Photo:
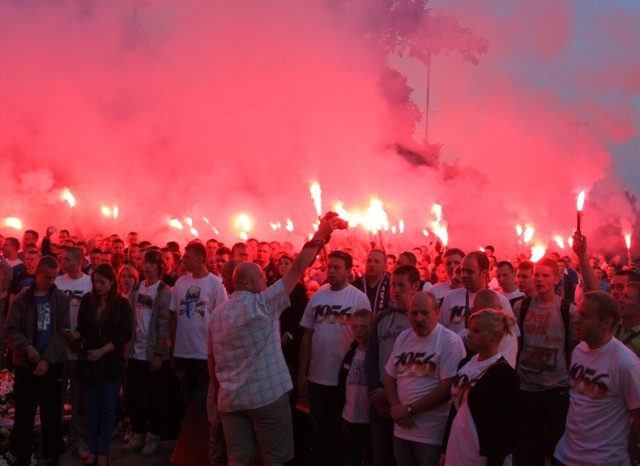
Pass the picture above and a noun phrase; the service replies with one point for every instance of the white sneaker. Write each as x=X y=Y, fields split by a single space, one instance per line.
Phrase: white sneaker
x=135 y=443
x=150 y=444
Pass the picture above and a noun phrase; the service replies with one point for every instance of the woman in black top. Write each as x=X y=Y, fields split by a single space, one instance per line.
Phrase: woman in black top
x=104 y=329
x=484 y=395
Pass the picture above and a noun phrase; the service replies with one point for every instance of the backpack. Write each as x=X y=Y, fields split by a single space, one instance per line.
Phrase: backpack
x=564 y=313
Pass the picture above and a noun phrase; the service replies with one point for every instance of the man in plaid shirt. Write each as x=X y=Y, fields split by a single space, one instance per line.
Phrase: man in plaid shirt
x=250 y=377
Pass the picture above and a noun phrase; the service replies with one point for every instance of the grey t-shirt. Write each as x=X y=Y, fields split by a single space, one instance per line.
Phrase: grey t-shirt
x=543 y=364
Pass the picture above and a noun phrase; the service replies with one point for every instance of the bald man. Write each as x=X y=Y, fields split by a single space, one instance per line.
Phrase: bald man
x=489 y=299
x=250 y=377
x=420 y=372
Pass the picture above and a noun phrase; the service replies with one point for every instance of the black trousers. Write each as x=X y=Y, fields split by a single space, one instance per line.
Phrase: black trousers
x=145 y=393
x=30 y=392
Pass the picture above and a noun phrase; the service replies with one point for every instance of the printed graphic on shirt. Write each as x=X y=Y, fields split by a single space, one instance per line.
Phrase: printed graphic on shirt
x=536 y=358
x=192 y=304
x=416 y=364
x=44 y=316
x=144 y=301
x=458 y=314
x=356 y=373
x=460 y=388
x=75 y=296
x=537 y=322
x=331 y=314
x=588 y=382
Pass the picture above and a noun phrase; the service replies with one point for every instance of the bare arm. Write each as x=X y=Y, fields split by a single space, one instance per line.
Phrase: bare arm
x=634 y=436
x=308 y=254
x=303 y=364
x=399 y=413
x=591 y=282
x=172 y=328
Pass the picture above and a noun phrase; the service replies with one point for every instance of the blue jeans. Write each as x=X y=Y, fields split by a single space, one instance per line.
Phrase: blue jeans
x=100 y=404
x=410 y=453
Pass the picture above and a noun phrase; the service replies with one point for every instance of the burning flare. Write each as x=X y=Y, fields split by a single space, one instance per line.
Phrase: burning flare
x=559 y=241
x=537 y=252
x=627 y=240
x=316 y=195
x=67 y=196
x=580 y=202
x=243 y=225
x=528 y=233
x=12 y=222
x=289 y=225
x=110 y=212
x=175 y=223
x=438 y=226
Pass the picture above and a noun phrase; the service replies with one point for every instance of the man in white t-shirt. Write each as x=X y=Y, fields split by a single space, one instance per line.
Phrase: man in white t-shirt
x=506 y=276
x=456 y=306
x=420 y=372
x=603 y=424
x=193 y=300
x=327 y=336
x=75 y=284
x=452 y=259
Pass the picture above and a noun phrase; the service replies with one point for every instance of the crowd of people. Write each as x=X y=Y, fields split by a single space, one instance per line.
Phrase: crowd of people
x=426 y=357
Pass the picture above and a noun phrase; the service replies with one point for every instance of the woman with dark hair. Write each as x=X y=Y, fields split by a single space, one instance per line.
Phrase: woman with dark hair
x=104 y=329
x=148 y=352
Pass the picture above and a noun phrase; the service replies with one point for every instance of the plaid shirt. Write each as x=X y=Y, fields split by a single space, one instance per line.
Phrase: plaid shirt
x=244 y=333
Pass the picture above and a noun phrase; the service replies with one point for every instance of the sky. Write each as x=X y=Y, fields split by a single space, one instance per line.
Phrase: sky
x=191 y=109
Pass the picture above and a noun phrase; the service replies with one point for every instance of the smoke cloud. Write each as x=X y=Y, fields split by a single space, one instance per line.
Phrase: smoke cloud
x=195 y=109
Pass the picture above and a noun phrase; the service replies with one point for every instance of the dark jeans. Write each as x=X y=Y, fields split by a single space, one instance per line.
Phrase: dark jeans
x=145 y=396
x=381 y=440
x=31 y=391
x=539 y=425
x=193 y=377
x=357 y=442
x=100 y=403
x=326 y=417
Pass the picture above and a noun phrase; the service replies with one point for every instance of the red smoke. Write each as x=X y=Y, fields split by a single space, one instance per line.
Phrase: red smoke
x=195 y=109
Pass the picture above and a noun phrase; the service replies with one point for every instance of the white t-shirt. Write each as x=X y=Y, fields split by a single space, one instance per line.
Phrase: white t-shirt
x=464 y=447
x=357 y=404
x=144 y=309
x=419 y=364
x=75 y=289
x=328 y=314
x=440 y=290
x=193 y=299
x=514 y=294
x=605 y=387
x=457 y=304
